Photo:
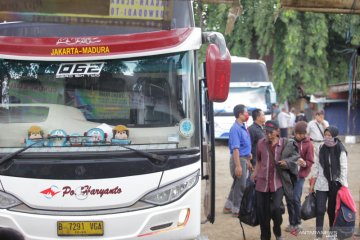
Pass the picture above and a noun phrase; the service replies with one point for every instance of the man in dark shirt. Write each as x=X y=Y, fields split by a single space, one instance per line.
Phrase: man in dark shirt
x=256 y=131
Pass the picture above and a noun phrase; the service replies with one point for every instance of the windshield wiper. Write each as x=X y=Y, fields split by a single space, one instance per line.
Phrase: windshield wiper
x=11 y=156
x=158 y=159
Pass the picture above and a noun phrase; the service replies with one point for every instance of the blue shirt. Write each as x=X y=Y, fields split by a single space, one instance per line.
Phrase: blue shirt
x=239 y=138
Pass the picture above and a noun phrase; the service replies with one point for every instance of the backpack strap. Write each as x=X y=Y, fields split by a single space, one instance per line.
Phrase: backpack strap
x=322 y=134
x=243 y=231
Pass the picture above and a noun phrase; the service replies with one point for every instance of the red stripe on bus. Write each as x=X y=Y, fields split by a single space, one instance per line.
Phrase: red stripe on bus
x=92 y=45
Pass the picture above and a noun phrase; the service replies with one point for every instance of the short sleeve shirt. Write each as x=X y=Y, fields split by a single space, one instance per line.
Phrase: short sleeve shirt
x=239 y=138
x=314 y=132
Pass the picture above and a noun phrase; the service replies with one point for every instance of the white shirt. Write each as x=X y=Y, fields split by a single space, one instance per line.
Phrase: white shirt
x=292 y=119
x=283 y=119
x=314 y=132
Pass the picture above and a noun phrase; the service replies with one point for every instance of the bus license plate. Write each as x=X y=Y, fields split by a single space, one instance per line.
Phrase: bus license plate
x=86 y=228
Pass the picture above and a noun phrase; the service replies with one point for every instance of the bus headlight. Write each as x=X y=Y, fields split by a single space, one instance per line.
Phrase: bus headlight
x=173 y=191
x=7 y=201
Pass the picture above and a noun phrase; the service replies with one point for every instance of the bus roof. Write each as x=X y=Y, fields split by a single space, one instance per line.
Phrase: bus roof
x=235 y=59
x=248 y=70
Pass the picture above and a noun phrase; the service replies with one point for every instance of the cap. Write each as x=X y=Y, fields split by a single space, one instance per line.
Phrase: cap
x=120 y=128
x=271 y=125
x=334 y=131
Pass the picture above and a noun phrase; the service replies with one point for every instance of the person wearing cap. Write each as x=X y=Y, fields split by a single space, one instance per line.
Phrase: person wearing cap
x=330 y=174
x=305 y=162
x=240 y=151
x=275 y=158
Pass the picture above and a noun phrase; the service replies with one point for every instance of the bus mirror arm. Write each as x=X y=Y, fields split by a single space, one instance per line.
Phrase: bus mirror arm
x=217 y=39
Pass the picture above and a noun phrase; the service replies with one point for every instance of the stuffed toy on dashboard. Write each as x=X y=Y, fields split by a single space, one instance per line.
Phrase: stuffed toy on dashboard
x=35 y=136
x=120 y=135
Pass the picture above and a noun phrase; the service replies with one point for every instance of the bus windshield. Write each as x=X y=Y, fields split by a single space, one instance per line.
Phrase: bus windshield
x=56 y=19
x=76 y=99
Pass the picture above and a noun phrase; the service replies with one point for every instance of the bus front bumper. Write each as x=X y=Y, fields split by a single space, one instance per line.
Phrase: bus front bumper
x=178 y=220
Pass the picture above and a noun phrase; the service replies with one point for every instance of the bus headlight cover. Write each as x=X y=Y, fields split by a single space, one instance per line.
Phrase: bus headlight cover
x=7 y=201
x=173 y=191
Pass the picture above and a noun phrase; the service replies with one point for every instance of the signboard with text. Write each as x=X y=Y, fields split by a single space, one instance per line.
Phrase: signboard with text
x=103 y=12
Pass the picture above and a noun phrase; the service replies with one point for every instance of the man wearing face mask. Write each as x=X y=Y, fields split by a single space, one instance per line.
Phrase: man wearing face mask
x=240 y=151
x=330 y=173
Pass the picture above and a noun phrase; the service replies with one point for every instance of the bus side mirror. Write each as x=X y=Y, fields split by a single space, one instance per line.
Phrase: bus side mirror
x=218 y=72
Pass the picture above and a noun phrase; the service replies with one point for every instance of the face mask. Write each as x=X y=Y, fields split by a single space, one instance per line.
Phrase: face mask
x=246 y=116
x=329 y=141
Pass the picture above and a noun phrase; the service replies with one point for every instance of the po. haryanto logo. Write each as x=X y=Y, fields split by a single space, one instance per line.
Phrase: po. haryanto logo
x=81 y=192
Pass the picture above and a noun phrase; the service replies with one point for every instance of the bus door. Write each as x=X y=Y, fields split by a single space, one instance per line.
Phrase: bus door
x=208 y=154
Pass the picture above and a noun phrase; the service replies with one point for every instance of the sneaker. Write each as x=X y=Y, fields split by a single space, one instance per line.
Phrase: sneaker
x=227 y=210
x=299 y=227
x=280 y=238
x=289 y=228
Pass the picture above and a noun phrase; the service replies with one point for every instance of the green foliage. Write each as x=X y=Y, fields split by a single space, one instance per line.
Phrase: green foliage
x=307 y=49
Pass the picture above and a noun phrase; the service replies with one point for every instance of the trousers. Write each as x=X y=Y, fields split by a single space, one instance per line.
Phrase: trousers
x=237 y=189
x=263 y=205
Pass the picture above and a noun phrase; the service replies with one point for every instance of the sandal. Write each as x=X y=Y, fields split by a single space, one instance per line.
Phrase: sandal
x=227 y=210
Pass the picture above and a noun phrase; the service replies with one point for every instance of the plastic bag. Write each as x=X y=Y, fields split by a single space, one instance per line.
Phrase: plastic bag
x=308 y=208
x=248 y=213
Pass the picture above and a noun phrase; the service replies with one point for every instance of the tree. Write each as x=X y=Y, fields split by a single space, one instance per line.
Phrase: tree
x=301 y=48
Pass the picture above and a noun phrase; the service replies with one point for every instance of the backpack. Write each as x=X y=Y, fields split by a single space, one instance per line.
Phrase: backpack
x=344 y=223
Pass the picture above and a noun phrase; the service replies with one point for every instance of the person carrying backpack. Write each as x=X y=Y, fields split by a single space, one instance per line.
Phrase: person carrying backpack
x=276 y=158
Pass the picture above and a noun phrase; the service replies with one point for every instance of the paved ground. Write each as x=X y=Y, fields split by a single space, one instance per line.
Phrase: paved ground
x=227 y=227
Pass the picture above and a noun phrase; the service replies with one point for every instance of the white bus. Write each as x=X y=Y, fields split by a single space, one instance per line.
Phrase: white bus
x=76 y=76
x=249 y=85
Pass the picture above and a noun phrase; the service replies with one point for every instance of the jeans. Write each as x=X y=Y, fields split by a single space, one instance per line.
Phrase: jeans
x=294 y=207
x=321 y=198
x=263 y=201
x=238 y=187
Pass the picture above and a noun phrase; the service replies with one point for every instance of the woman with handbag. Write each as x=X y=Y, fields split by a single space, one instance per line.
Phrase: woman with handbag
x=330 y=173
